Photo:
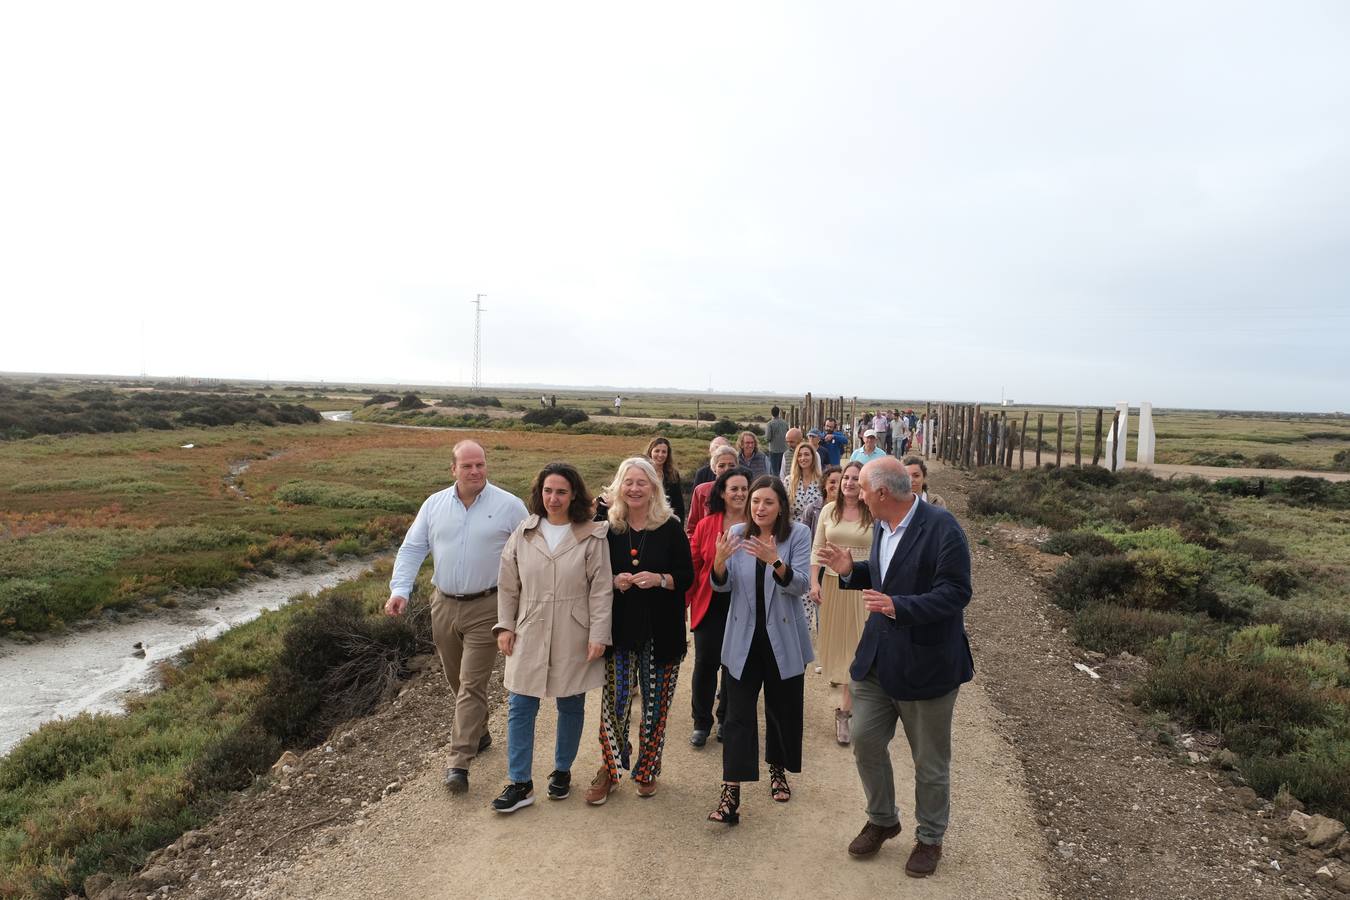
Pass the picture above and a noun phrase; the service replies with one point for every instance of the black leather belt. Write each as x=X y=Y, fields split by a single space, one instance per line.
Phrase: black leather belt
x=464 y=598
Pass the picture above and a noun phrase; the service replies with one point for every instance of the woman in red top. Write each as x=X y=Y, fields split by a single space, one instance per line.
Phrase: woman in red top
x=707 y=610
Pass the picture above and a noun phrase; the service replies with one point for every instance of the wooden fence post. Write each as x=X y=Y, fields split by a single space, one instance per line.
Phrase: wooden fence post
x=1078 y=438
x=1059 y=441
x=1040 y=431
x=1115 y=432
x=928 y=428
x=1097 y=444
x=1022 y=442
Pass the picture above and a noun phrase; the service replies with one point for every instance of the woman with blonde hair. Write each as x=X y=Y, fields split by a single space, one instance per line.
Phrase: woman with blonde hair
x=651 y=568
x=847 y=522
x=554 y=600
x=663 y=460
x=803 y=486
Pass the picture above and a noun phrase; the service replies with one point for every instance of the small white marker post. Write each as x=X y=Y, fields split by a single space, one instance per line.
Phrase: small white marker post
x=1147 y=438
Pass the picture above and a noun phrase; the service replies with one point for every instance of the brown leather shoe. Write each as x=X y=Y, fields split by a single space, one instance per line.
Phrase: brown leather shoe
x=870 y=839
x=923 y=860
x=601 y=787
x=646 y=788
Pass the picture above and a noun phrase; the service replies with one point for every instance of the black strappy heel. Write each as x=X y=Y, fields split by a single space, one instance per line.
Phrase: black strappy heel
x=727 y=806
x=778 y=785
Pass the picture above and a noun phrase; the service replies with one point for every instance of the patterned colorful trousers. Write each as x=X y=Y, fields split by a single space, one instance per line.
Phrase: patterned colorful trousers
x=626 y=670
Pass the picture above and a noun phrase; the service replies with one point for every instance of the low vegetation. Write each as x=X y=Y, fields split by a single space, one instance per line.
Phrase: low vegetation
x=99 y=792
x=1235 y=591
x=26 y=411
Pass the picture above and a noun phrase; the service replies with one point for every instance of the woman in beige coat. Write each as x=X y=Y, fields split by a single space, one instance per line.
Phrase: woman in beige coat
x=554 y=609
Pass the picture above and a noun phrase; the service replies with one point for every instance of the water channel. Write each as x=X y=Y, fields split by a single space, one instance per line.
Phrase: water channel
x=94 y=668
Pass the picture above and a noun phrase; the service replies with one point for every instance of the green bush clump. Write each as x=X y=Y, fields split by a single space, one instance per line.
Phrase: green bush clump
x=471 y=401
x=1276 y=578
x=1079 y=542
x=341 y=496
x=1109 y=628
x=411 y=401
x=726 y=427
x=380 y=399
x=551 y=415
x=1085 y=580
x=1341 y=461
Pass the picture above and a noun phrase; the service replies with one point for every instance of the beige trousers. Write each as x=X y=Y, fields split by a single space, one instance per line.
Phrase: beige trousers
x=462 y=632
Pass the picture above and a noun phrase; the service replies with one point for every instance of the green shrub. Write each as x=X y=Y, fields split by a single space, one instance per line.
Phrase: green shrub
x=341 y=496
x=1085 y=580
x=411 y=401
x=1276 y=578
x=1271 y=461
x=726 y=427
x=551 y=415
x=380 y=400
x=1077 y=543
x=1109 y=628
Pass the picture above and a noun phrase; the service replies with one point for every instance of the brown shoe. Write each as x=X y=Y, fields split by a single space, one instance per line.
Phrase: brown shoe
x=647 y=788
x=870 y=839
x=923 y=860
x=601 y=787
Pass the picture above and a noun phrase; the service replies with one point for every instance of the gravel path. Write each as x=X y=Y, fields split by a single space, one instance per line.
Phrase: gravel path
x=424 y=843
x=1060 y=789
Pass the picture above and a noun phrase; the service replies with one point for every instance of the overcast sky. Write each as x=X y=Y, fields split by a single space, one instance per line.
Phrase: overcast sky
x=1075 y=202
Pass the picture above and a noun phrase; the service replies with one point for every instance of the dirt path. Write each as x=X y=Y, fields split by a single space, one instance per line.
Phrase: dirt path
x=423 y=843
x=1061 y=789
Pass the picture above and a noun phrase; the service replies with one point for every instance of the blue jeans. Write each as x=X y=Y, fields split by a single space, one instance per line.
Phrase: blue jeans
x=520 y=715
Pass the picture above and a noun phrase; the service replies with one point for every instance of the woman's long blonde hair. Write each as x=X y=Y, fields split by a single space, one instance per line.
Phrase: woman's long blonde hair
x=658 y=513
x=796 y=477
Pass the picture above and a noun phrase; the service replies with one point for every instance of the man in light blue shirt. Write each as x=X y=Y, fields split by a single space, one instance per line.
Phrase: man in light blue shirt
x=869 y=450
x=464 y=528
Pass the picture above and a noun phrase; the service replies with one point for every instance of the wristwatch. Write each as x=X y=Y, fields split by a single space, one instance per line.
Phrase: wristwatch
x=778 y=564
x=662 y=582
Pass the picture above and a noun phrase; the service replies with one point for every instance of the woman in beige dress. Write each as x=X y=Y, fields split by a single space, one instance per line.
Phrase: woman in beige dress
x=846 y=523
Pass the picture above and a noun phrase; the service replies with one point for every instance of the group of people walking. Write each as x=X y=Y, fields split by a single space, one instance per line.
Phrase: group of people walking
x=594 y=592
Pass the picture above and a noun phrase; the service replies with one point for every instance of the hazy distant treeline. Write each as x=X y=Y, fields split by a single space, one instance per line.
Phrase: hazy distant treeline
x=26 y=412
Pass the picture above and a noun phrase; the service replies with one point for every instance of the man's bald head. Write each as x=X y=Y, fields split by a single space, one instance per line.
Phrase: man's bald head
x=794 y=436
x=885 y=487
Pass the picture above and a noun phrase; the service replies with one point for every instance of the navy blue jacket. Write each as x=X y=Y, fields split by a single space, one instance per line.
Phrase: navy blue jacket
x=923 y=652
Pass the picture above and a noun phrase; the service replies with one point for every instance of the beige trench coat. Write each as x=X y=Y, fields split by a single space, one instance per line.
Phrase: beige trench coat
x=556 y=602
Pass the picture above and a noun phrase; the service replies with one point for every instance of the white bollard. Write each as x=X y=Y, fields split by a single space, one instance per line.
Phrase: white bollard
x=1116 y=443
x=1147 y=437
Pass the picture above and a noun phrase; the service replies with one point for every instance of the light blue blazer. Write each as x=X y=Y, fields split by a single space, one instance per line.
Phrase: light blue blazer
x=784 y=617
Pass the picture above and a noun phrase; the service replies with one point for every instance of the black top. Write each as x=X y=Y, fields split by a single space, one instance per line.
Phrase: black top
x=704 y=475
x=675 y=497
x=652 y=614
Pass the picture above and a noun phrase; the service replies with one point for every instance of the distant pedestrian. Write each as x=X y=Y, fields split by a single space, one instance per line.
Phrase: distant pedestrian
x=829 y=492
x=918 y=477
x=705 y=472
x=663 y=460
x=869 y=449
x=793 y=439
x=708 y=609
x=464 y=528
x=882 y=423
x=832 y=442
x=803 y=485
x=723 y=458
x=652 y=570
x=618 y=405
x=775 y=439
x=751 y=456
x=555 y=600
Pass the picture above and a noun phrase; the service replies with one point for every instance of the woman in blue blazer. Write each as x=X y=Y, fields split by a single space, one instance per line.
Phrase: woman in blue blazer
x=765 y=565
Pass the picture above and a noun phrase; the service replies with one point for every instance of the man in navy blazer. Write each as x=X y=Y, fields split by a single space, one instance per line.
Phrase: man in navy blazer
x=912 y=659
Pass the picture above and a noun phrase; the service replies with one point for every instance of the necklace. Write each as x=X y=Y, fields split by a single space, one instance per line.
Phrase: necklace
x=635 y=551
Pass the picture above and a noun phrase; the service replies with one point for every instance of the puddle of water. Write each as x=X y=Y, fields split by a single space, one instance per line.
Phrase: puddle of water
x=93 y=670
